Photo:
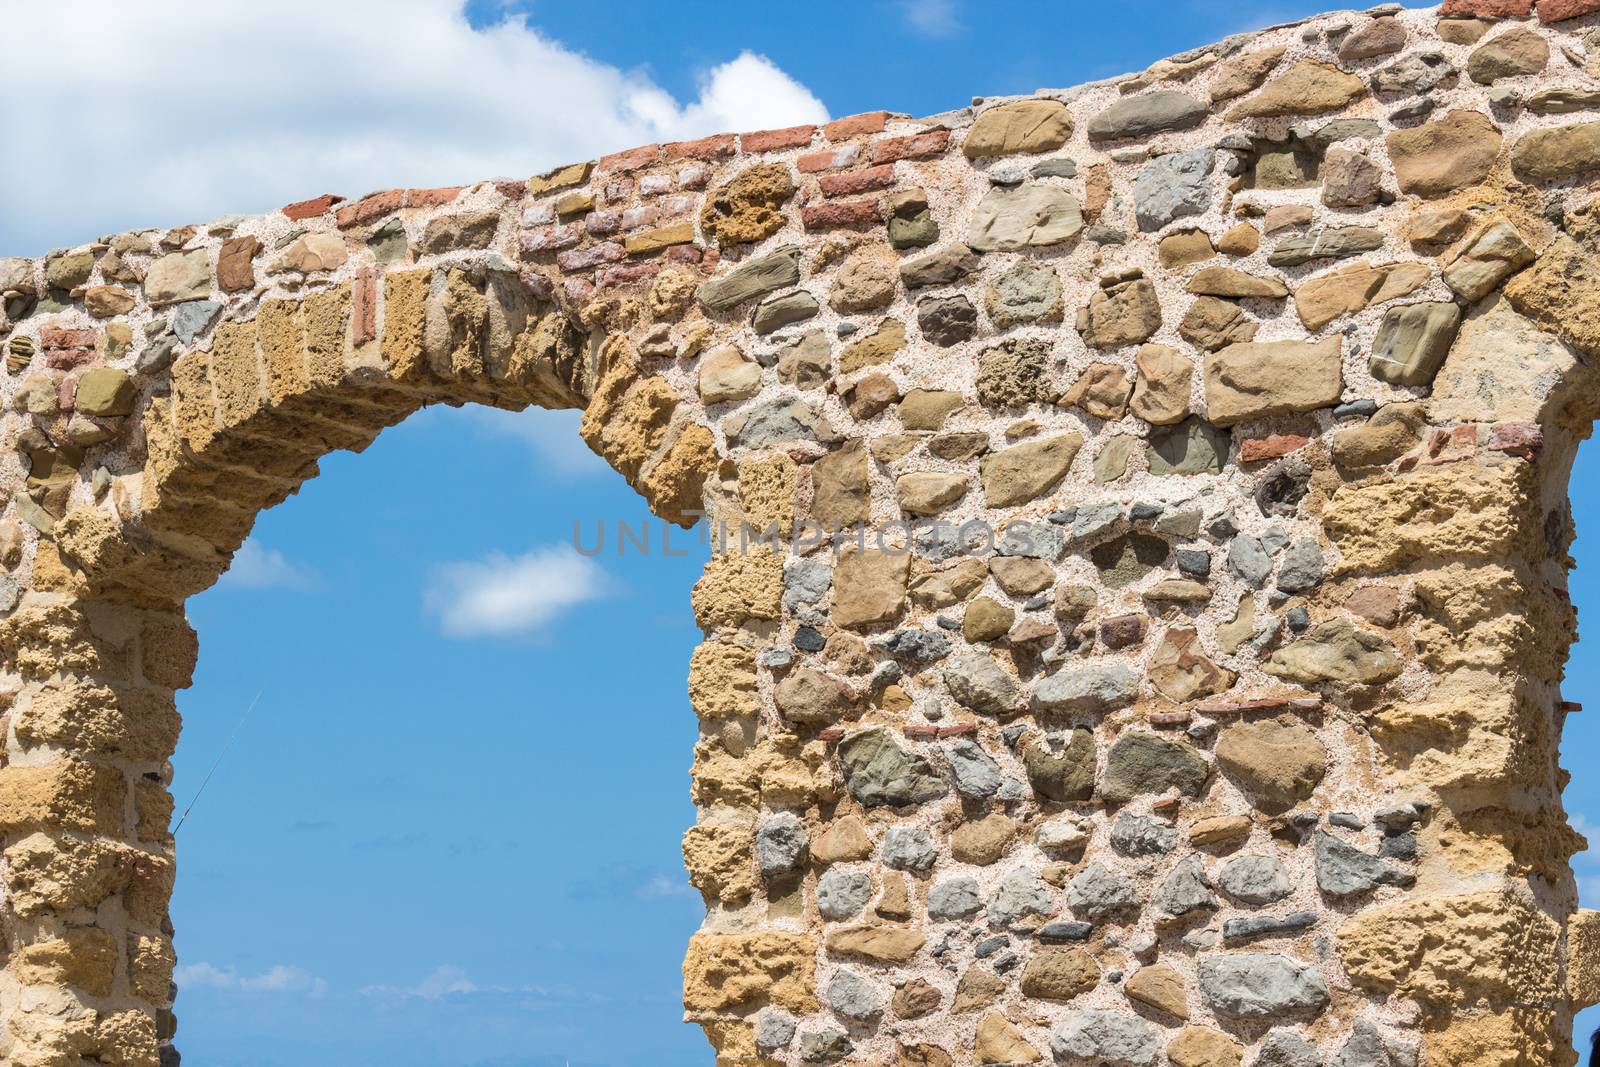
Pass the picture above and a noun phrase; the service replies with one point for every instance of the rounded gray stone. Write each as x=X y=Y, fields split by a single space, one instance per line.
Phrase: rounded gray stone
x=841 y=893
x=954 y=898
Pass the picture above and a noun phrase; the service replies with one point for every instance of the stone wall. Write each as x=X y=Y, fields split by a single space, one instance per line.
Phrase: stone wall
x=1184 y=682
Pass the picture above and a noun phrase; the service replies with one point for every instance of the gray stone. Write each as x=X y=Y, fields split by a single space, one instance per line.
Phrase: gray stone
x=1024 y=216
x=977 y=775
x=954 y=898
x=776 y=421
x=1187 y=889
x=1251 y=926
x=1285 y=1048
x=388 y=243
x=157 y=357
x=947 y=320
x=805 y=581
x=1261 y=985
x=877 y=771
x=190 y=319
x=774 y=1029
x=1021 y=893
x=757 y=277
x=1032 y=540
x=1058 y=167
x=1344 y=870
x=1325 y=242
x=1140 y=763
x=1193 y=561
x=1367 y=1047
x=1098 y=891
x=842 y=893
x=908 y=848
x=1028 y=292
x=1301 y=569
x=780 y=845
x=976 y=681
x=1193 y=446
x=1127 y=559
x=1143 y=835
x=1248 y=560
x=855 y=999
x=825 y=1045
x=1091 y=689
x=939 y=267
x=1140 y=116
x=776 y=312
x=1107 y=1037
x=1094 y=519
x=1254 y=879
x=1414 y=73
x=1412 y=341
x=1173 y=187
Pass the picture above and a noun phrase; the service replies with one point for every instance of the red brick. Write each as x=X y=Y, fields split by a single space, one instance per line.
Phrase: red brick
x=67 y=338
x=364 y=309
x=685 y=254
x=1256 y=449
x=1239 y=707
x=717 y=147
x=431 y=197
x=1516 y=438
x=920 y=731
x=1499 y=9
x=1557 y=10
x=1168 y=718
x=627 y=274
x=577 y=290
x=855 y=125
x=67 y=392
x=512 y=190
x=370 y=207
x=916 y=146
x=777 y=140
x=635 y=217
x=830 y=733
x=632 y=159
x=841 y=213
x=552 y=238
x=959 y=729
x=600 y=222
x=858 y=181
x=829 y=158
x=66 y=358
x=310 y=209
x=591 y=257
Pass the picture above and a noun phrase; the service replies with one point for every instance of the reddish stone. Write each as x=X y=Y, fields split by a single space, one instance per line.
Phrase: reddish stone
x=1516 y=438
x=632 y=159
x=855 y=125
x=552 y=238
x=618 y=190
x=67 y=392
x=635 y=217
x=67 y=338
x=432 y=197
x=66 y=358
x=1495 y=9
x=628 y=274
x=830 y=733
x=673 y=206
x=917 y=146
x=717 y=147
x=1256 y=449
x=1558 y=10
x=829 y=159
x=364 y=307
x=1239 y=707
x=685 y=254
x=858 y=181
x=1168 y=718
x=1378 y=604
x=1121 y=631
x=1569 y=706
x=847 y=213
x=577 y=290
x=310 y=209
x=777 y=140
x=235 y=271
x=512 y=190
x=1166 y=804
x=369 y=207
x=591 y=257
x=603 y=221
x=959 y=729
x=694 y=177
x=921 y=731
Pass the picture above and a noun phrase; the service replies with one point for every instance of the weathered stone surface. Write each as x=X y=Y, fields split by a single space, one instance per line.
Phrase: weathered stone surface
x=1159 y=986
x=1325 y=242
x=869 y=588
x=748 y=208
x=1235 y=284
x=1064 y=775
x=1122 y=314
x=1412 y=342
x=1092 y=688
x=809 y=696
x=1490 y=256
x=1201 y=1046
x=1186 y=890
x=1139 y=763
x=841 y=894
x=999 y=1041
x=1307 y=88
x=1511 y=54
x=1557 y=153
x=178 y=276
x=1162 y=386
x=1336 y=651
x=978 y=682
x=1024 y=126
x=1103 y=1037
x=1254 y=380
x=947 y=320
x=752 y=278
x=726 y=376
x=1173 y=187
x=725 y=972
x=1015 y=374
x=1027 y=292
x=1437 y=158
x=1277 y=761
x=1059 y=974
x=1380 y=37
x=774 y=421
x=1018 y=474
x=1257 y=985
x=1242 y=73
x=1349 y=289
x=1179 y=669
x=1254 y=879
x=1146 y=114
x=1024 y=216
x=1344 y=870
x=1102 y=390
x=1349 y=178
x=877 y=771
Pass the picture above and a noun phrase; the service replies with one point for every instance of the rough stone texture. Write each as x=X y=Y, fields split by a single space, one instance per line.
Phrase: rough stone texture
x=1288 y=645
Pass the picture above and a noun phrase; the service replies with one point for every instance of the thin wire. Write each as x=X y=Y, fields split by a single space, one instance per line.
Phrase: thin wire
x=231 y=738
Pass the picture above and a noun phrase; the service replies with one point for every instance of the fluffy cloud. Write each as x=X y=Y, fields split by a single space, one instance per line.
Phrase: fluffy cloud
x=279 y=979
x=502 y=596
x=551 y=438
x=161 y=114
x=255 y=567
x=931 y=18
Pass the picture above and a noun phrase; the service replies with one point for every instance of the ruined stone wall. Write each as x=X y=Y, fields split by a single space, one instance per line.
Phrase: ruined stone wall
x=1188 y=689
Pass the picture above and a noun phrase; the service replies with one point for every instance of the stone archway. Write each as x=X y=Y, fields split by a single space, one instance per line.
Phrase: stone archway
x=1225 y=726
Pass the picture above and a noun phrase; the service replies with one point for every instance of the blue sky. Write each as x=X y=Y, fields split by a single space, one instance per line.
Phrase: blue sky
x=448 y=832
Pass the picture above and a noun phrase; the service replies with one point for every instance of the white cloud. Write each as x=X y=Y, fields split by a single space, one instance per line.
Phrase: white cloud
x=160 y=114
x=503 y=595
x=255 y=567
x=661 y=885
x=551 y=436
x=279 y=979
x=444 y=981
x=931 y=18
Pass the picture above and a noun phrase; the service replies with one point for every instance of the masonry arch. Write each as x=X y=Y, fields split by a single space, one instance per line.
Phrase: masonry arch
x=1242 y=742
